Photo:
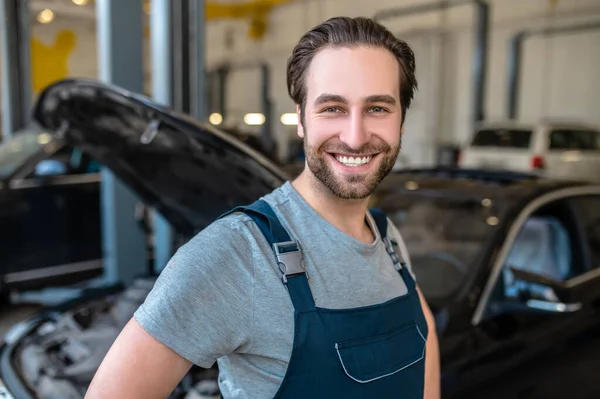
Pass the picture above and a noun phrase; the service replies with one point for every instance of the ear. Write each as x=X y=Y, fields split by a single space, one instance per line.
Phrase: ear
x=300 y=127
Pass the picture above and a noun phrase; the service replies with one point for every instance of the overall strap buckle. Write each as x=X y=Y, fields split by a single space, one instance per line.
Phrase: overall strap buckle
x=289 y=259
x=389 y=246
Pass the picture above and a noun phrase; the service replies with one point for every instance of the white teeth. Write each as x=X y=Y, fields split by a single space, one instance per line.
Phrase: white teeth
x=351 y=161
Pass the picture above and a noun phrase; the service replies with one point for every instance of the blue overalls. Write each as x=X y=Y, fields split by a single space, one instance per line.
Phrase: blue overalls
x=371 y=352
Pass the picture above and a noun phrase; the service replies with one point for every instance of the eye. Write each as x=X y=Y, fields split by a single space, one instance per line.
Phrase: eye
x=377 y=109
x=331 y=109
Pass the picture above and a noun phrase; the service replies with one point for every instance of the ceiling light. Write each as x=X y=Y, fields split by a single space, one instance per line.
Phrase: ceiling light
x=411 y=185
x=80 y=2
x=492 y=220
x=254 y=119
x=289 y=119
x=46 y=16
x=215 y=118
x=44 y=138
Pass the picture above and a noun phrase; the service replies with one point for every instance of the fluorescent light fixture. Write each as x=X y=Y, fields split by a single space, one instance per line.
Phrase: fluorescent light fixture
x=215 y=118
x=80 y=2
x=254 y=119
x=46 y=16
x=289 y=119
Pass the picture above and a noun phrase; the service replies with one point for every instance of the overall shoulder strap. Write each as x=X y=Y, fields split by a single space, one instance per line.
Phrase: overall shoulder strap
x=390 y=245
x=381 y=221
x=287 y=251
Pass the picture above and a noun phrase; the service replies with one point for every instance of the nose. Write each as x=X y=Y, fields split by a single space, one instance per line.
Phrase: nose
x=355 y=134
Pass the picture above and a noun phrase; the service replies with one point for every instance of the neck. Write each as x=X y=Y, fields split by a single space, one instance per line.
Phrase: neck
x=346 y=215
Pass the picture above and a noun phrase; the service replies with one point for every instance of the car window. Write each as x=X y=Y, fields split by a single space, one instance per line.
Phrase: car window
x=444 y=237
x=66 y=161
x=570 y=139
x=588 y=209
x=511 y=138
x=542 y=247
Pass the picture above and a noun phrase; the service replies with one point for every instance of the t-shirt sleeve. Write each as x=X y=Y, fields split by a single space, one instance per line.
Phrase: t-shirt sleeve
x=394 y=234
x=201 y=304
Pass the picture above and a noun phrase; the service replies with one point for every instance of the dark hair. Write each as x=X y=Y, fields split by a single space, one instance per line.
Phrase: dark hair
x=349 y=32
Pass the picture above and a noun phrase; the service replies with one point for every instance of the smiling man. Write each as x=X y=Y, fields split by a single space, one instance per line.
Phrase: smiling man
x=306 y=293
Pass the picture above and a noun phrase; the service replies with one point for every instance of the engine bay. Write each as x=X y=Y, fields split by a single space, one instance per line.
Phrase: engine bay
x=58 y=359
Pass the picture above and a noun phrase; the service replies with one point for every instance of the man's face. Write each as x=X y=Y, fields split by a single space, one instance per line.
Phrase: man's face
x=352 y=121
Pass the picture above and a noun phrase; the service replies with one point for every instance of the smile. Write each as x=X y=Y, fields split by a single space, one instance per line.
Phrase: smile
x=353 y=161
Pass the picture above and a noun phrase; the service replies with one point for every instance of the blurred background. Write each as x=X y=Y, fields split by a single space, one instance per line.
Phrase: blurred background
x=126 y=126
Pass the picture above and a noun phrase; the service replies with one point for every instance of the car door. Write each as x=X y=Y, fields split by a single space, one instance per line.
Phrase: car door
x=540 y=303
x=53 y=235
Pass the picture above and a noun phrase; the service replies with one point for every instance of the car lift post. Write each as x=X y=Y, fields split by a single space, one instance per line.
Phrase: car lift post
x=161 y=38
x=221 y=76
x=178 y=82
x=120 y=57
x=15 y=65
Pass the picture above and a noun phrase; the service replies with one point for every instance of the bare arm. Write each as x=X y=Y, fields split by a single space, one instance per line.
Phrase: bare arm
x=138 y=366
x=432 y=357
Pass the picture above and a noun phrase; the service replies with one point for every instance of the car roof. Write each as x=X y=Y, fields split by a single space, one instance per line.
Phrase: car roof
x=475 y=183
x=528 y=125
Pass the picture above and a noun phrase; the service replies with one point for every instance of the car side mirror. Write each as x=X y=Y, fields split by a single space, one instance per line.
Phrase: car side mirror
x=541 y=293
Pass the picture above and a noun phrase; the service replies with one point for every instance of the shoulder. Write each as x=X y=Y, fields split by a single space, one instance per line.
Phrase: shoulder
x=224 y=250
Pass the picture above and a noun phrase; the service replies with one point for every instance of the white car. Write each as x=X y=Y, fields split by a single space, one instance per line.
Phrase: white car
x=553 y=149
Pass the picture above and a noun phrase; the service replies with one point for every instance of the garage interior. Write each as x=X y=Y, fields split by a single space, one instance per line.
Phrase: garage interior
x=505 y=125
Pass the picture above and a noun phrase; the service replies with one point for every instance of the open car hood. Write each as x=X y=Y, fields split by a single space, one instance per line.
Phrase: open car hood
x=189 y=171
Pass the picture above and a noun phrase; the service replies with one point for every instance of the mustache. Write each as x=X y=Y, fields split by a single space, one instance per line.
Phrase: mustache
x=365 y=149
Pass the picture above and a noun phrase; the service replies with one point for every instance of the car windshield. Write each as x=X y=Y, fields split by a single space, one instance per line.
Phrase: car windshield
x=15 y=151
x=445 y=236
x=570 y=139
x=510 y=138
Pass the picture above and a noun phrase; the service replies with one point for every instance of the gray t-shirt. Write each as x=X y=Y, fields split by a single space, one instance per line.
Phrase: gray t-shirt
x=221 y=298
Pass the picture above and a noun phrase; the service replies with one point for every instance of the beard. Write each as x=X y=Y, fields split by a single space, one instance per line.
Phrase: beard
x=359 y=186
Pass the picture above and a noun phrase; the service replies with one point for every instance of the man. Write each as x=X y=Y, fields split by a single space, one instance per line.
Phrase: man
x=304 y=293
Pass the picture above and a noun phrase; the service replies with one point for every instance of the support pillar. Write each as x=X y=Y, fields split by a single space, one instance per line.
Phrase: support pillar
x=120 y=55
x=161 y=36
x=16 y=65
x=179 y=82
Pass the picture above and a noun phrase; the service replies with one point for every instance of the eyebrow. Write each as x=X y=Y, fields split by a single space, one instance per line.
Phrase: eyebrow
x=377 y=98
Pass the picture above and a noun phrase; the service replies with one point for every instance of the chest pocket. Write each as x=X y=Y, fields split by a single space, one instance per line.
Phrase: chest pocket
x=369 y=359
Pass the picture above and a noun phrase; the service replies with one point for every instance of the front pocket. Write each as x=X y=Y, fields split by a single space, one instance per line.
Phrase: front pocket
x=369 y=359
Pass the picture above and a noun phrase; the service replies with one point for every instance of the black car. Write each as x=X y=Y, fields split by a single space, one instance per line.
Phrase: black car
x=510 y=265
x=49 y=213
x=508 y=262
x=50 y=208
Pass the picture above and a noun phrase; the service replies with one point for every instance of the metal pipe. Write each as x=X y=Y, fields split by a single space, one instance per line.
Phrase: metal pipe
x=515 y=49
x=480 y=55
x=418 y=9
x=515 y=57
x=222 y=73
x=198 y=108
x=181 y=56
x=15 y=64
x=267 y=109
